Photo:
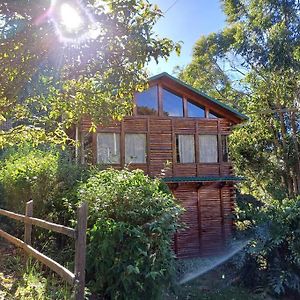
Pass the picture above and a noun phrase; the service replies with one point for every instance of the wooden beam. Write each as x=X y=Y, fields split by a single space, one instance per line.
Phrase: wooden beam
x=40 y=223
x=53 y=265
x=80 y=251
x=28 y=227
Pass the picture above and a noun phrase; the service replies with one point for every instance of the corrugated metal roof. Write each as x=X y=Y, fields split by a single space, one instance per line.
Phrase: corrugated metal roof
x=225 y=106
x=202 y=179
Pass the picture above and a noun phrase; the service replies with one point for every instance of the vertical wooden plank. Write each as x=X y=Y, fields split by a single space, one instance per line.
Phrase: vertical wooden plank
x=197 y=150
x=185 y=109
x=94 y=147
x=222 y=213
x=160 y=100
x=220 y=159
x=148 y=146
x=28 y=227
x=80 y=251
x=122 y=145
x=174 y=158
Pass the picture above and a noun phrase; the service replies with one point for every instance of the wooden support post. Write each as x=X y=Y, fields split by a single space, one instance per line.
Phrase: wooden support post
x=28 y=227
x=80 y=251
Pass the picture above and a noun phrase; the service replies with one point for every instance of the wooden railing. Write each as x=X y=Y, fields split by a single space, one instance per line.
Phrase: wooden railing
x=76 y=279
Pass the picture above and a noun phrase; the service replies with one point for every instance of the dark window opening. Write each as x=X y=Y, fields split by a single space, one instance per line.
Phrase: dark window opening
x=225 y=152
x=195 y=111
x=147 y=102
x=172 y=104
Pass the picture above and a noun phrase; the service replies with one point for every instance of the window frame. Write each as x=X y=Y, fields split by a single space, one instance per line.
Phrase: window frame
x=218 y=148
x=157 y=102
x=162 y=100
x=188 y=100
x=177 y=149
x=123 y=148
x=120 y=148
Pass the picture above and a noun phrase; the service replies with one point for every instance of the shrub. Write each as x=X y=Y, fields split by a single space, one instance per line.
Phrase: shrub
x=132 y=220
x=272 y=260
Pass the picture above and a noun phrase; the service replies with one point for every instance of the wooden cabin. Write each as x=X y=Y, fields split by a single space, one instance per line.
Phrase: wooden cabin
x=182 y=131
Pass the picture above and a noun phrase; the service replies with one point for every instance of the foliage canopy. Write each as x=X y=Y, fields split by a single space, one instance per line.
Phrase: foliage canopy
x=50 y=78
x=254 y=64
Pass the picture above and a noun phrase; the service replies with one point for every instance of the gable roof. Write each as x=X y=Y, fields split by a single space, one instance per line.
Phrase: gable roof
x=214 y=101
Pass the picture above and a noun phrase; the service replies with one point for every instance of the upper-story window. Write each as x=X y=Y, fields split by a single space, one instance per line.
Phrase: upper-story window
x=108 y=148
x=208 y=148
x=135 y=148
x=147 y=102
x=195 y=111
x=213 y=115
x=185 y=148
x=172 y=104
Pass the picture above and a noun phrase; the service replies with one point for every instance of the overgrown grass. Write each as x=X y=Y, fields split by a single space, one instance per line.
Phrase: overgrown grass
x=25 y=279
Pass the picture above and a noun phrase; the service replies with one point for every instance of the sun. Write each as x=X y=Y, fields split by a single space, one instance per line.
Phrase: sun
x=70 y=18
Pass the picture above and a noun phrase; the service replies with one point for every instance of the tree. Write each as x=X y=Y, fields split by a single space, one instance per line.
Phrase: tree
x=51 y=76
x=253 y=64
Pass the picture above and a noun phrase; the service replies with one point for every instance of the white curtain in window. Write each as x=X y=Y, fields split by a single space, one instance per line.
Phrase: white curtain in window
x=108 y=148
x=208 y=148
x=186 y=148
x=135 y=148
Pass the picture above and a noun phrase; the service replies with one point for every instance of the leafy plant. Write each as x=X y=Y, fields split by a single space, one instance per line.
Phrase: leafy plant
x=132 y=219
x=272 y=260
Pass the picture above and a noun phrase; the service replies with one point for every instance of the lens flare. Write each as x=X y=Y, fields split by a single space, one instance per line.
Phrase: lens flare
x=70 y=18
x=74 y=24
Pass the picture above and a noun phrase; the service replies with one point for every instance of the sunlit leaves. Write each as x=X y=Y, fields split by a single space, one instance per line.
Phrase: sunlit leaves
x=59 y=83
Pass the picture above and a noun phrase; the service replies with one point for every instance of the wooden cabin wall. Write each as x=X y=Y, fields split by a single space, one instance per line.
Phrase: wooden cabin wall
x=208 y=218
x=161 y=143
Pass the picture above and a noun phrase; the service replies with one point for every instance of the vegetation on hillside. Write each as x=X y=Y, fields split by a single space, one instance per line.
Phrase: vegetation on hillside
x=253 y=64
x=132 y=219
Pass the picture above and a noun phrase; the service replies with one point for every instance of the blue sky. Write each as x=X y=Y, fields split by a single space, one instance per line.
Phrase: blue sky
x=186 y=21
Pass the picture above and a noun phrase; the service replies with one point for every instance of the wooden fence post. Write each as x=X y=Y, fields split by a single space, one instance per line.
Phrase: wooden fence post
x=28 y=227
x=80 y=251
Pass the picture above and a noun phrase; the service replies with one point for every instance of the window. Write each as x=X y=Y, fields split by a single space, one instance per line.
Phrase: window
x=147 y=102
x=208 y=147
x=172 y=104
x=86 y=148
x=213 y=115
x=135 y=148
x=225 y=153
x=185 y=148
x=108 y=148
x=195 y=111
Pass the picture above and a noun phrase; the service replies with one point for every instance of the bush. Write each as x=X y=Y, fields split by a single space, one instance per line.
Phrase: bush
x=272 y=260
x=132 y=219
x=43 y=175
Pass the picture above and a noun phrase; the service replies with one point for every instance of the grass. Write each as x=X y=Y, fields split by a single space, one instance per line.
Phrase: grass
x=217 y=284
x=25 y=279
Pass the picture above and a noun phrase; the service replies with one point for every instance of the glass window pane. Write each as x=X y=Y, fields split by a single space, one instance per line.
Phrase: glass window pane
x=208 y=147
x=108 y=148
x=213 y=115
x=135 y=148
x=185 y=148
x=147 y=102
x=195 y=111
x=172 y=104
